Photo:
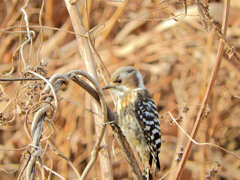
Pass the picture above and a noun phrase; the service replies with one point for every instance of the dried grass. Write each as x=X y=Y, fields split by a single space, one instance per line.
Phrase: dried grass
x=175 y=54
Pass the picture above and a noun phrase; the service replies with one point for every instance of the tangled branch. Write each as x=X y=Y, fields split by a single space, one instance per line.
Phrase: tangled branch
x=37 y=131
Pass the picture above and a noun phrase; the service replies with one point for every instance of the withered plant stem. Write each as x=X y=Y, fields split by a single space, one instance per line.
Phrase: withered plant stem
x=208 y=92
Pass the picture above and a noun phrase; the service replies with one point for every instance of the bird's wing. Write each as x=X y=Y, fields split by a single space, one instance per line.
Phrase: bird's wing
x=147 y=115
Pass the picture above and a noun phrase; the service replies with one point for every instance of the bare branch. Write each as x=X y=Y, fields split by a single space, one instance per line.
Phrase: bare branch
x=54 y=85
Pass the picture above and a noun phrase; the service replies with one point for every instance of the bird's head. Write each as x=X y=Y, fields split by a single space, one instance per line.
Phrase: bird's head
x=125 y=79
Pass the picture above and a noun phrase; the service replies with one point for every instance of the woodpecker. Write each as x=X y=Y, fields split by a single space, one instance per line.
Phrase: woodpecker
x=138 y=115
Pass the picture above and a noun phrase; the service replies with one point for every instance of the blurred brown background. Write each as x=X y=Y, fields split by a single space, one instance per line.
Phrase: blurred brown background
x=175 y=54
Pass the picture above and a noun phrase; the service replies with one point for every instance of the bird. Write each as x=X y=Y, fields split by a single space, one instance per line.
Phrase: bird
x=138 y=116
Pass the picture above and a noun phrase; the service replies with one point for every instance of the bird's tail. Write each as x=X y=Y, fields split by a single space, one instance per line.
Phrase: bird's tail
x=156 y=168
x=147 y=174
x=158 y=163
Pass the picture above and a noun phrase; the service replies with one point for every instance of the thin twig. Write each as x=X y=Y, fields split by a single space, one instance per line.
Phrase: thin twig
x=22 y=79
x=41 y=30
x=65 y=158
x=6 y=30
x=29 y=34
x=51 y=171
x=202 y=144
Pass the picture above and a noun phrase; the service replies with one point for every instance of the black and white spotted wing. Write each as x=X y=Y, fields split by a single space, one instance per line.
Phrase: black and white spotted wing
x=146 y=112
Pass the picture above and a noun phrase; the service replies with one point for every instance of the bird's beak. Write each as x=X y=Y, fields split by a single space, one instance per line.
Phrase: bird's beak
x=110 y=86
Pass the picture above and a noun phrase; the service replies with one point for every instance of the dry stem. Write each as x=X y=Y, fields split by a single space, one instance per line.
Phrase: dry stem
x=207 y=94
x=88 y=57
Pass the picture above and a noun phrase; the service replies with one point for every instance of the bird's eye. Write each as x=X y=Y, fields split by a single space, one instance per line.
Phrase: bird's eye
x=118 y=81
